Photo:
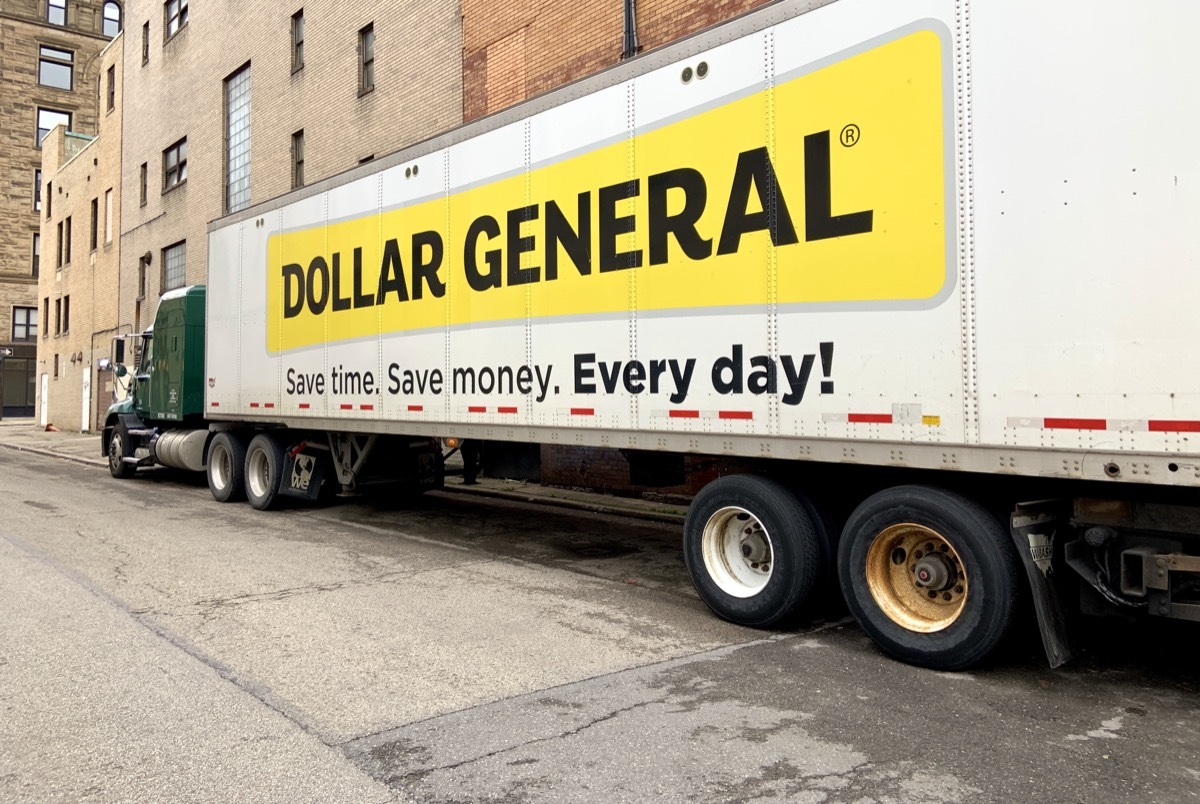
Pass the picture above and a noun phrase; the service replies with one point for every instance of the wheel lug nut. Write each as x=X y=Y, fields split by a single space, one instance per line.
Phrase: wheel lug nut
x=929 y=546
x=932 y=595
x=946 y=596
x=766 y=567
x=917 y=554
x=754 y=565
x=959 y=589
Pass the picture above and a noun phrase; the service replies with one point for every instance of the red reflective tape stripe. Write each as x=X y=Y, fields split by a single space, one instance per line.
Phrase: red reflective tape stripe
x=735 y=414
x=869 y=418
x=683 y=414
x=268 y=404
x=253 y=404
x=1075 y=424
x=415 y=408
x=506 y=410
x=346 y=407
x=303 y=406
x=583 y=411
x=367 y=407
x=215 y=404
x=1174 y=426
x=476 y=409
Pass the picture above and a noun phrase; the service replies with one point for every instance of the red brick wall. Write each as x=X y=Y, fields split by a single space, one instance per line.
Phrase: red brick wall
x=521 y=48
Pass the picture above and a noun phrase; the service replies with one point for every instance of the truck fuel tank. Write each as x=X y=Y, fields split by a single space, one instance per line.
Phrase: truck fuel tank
x=180 y=449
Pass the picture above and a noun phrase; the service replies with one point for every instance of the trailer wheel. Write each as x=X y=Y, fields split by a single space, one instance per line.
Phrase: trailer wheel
x=226 y=467
x=754 y=550
x=118 y=449
x=264 y=462
x=929 y=575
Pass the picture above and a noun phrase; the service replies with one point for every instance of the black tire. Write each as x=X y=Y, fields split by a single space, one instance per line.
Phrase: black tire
x=723 y=544
x=227 y=467
x=118 y=448
x=264 y=467
x=972 y=588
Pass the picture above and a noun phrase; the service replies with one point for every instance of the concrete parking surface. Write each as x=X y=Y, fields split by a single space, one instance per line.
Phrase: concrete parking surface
x=158 y=646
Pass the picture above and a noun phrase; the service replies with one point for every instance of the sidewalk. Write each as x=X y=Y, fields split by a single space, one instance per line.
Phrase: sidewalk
x=84 y=448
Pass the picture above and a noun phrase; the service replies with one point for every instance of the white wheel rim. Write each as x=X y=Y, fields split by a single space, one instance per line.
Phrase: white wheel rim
x=737 y=552
x=116 y=449
x=220 y=466
x=258 y=472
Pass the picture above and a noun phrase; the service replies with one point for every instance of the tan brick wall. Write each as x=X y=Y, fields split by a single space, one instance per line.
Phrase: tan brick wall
x=23 y=29
x=180 y=93
x=81 y=170
x=518 y=49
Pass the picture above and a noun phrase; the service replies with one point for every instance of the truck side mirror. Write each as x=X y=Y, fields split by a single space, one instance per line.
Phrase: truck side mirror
x=121 y=370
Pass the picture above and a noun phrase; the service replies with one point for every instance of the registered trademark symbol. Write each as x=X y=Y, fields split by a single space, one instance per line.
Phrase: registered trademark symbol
x=850 y=135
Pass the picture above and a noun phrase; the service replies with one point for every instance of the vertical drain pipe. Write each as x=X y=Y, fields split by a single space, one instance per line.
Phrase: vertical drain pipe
x=630 y=43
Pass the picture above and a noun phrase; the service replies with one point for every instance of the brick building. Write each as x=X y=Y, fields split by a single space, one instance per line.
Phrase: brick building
x=48 y=72
x=521 y=48
x=228 y=105
x=78 y=284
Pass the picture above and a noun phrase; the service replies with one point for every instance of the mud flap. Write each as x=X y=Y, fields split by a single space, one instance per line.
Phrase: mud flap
x=302 y=476
x=1038 y=531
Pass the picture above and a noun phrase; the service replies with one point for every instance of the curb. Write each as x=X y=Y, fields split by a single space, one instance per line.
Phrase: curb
x=49 y=453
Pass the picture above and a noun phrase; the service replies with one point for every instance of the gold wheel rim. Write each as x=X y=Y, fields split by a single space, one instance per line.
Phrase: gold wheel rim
x=916 y=578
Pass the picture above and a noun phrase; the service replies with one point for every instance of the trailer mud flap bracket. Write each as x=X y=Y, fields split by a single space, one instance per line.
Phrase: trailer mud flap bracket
x=1036 y=529
x=350 y=452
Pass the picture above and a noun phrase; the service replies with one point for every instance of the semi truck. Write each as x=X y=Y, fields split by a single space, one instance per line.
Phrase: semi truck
x=919 y=276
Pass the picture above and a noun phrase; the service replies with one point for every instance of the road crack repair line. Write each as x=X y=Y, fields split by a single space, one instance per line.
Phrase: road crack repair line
x=566 y=735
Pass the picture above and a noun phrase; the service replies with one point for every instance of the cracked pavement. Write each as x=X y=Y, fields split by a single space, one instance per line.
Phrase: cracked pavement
x=158 y=646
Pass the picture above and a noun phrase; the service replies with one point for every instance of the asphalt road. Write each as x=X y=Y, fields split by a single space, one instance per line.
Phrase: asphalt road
x=158 y=646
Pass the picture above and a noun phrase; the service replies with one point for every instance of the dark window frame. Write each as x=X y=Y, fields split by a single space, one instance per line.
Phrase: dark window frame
x=112 y=87
x=52 y=56
x=37 y=254
x=144 y=187
x=298 y=159
x=179 y=18
x=95 y=235
x=174 y=175
x=145 y=43
x=105 y=19
x=298 y=41
x=366 y=59
x=37 y=122
x=51 y=5
x=162 y=279
x=37 y=189
x=27 y=327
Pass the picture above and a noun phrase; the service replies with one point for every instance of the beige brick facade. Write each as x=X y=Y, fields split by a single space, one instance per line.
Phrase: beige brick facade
x=179 y=92
x=78 y=286
x=24 y=29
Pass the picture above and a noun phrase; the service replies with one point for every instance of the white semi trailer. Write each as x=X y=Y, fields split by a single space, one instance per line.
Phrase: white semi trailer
x=925 y=270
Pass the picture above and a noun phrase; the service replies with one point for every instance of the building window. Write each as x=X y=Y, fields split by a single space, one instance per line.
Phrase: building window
x=298 y=40
x=175 y=165
x=146 y=42
x=24 y=323
x=56 y=366
x=46 y=315
x=37 y=254
x=112 y=19
x=237 y=140
x=298 y=159
x=145 y=169
x=48 y=119
x=174 y=260
x=56 y=12
x=37 y=190
x=66 y=314
x=56 y=68
x=112 y=87
x=57 y=322
x=95 y=230
x=366 y=59
x=58 y=259
x=67 y=241
x=176 y=12
x=108 y=215
x=143 y=264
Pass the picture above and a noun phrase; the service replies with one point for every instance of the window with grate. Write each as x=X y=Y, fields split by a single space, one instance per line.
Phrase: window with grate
x=174 y=262
x=237 y=140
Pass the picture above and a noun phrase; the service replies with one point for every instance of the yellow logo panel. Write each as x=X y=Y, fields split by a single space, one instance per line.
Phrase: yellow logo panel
x=829 y=189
